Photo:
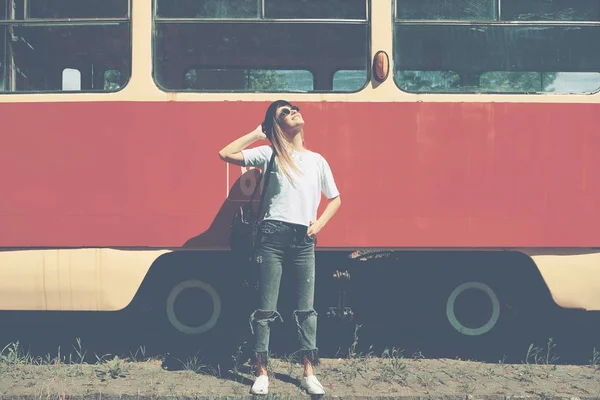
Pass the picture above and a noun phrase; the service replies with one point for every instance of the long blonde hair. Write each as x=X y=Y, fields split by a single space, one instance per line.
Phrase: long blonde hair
x=282 y=146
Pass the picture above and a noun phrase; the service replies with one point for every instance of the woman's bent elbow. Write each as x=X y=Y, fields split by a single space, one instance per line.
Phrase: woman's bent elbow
x=235 y=158
x=225 y=156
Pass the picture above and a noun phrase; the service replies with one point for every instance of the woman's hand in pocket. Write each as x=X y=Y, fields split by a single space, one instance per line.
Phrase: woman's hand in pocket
x=314 y=228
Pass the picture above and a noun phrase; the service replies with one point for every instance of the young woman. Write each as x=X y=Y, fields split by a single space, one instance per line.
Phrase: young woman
x=287 y=231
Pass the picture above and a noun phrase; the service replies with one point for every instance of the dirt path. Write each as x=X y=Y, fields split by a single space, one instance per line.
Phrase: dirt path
x=342 y=378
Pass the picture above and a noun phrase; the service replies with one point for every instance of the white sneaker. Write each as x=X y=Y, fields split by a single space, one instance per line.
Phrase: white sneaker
x=312 y=385
x=260 y=385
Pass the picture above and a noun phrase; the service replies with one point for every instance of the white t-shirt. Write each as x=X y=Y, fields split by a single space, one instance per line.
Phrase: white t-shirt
x=296 y=202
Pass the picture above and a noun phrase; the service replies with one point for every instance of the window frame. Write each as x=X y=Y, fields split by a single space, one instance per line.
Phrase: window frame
x=71 y=22
x=156 y=20
x=497 y=22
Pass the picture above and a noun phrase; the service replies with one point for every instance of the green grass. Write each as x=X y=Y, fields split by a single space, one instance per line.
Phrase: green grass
x=542 y=355
x=390 y=366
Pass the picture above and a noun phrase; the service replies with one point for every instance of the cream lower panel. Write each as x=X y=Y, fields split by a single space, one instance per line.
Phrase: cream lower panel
x=573 y=280
x=72 y=279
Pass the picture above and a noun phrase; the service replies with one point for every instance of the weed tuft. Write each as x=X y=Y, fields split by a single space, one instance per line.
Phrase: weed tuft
x=352 y=348
x=595 y=360
x=114 y=368
x=14 y=354
x=394 y=367
x=194 y=363
x=541 y=355
x=139 y=355
x=79 y=352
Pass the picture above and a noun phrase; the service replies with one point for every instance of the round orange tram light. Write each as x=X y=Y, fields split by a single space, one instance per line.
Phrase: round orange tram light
x=381 y=66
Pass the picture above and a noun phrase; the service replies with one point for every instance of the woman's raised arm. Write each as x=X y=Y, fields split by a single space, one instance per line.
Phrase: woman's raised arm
x=232 y=153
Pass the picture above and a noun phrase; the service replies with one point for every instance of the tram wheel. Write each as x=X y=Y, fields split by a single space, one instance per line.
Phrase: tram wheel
x=191 y=310
x=492 y=310
x=487 y=319
x=480 y=305
x=191 y=313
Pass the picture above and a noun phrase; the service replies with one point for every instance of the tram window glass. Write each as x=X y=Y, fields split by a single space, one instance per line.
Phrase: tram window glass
x=248 y=79
x=295 y=53
x=496 y=56
x=349 y=80
x=429 y=81
x=549 y=82
x=276 y=9
x=473 y=10
x=112 y=80
x=77 y=8
x=209 y=8
x=316 y=9
x=575 y=82
x=554 y=10
x=16 y=12
x=37 y=51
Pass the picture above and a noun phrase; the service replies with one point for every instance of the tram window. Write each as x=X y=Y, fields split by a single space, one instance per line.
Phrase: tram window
x=474 y=10
x=253 y=9
x=575 y=82
x=554 y=10
x=209 y=8
x=77 y=9
x=41 y=53
x=248 y=79
x=495 y=57
x=515 y=82
x=487 y=10
x=44 y=48
x=316 y=9
x=319 y=47
x=349 y=80
x=548 y=82
x=17 y=12
x=428 y=81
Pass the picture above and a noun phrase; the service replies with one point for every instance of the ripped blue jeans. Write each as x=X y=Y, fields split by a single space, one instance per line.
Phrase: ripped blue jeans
x=284 y=246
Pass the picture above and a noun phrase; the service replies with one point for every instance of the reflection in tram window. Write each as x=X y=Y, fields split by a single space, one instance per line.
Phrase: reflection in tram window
x=536 y=46
x=280 y=51
x=46 y=41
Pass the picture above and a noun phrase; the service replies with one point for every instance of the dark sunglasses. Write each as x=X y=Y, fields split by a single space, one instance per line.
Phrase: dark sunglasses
x=287 y=111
